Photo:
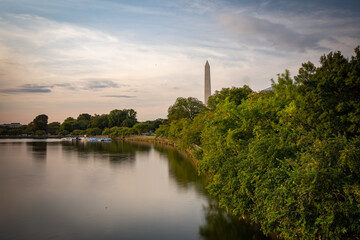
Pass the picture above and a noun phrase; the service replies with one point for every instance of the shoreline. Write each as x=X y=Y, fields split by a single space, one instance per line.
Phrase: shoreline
x=164 y=142
x=28 y=137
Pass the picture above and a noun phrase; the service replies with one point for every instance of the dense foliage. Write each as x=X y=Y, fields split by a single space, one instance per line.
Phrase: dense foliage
x=185 y=108
x=118 y=123
x=288 y=158
x=236 y=95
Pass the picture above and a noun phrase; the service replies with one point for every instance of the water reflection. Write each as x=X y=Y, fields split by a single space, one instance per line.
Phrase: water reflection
x=220 y=225
x=181 y=169
x=115 y=152
x=79 y=195
x=38 y=150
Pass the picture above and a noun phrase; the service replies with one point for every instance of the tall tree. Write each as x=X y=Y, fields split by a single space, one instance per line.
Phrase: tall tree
x=99 y=121
x=331 y=94
x=185 y=108
x=125 y=117
x=68 y=124
x=53 y=128
x=234 y=94
x=40 y=122
x=84 y=116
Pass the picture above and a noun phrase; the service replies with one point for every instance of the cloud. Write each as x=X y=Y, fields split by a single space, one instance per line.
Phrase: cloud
x=47 y=88
x=258 y=31
x=137 y=9
x=118 y=96
x=28 y=88
x=158 y=57
x=65 y=85
x=94 y=84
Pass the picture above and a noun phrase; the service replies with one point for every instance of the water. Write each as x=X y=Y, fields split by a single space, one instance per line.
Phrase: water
x=62 y=190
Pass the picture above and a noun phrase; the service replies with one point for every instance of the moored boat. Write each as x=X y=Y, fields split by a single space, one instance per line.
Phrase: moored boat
x=86 y=139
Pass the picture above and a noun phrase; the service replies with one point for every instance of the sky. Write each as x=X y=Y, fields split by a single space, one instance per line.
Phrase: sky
x=64 y=58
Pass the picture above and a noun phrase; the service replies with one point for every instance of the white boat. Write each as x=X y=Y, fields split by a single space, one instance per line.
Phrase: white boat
x=69 y=139
x=104 y=140
x=95 y=139
x=86 y=139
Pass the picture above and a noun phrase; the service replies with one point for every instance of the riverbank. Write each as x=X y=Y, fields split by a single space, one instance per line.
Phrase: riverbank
x=189 y=154
x=164 y=142
x=149 y=139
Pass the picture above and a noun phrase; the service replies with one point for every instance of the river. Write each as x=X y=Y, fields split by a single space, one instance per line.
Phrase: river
x=61 y=190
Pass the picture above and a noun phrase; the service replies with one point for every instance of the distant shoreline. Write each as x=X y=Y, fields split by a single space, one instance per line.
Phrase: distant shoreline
x=28 y=137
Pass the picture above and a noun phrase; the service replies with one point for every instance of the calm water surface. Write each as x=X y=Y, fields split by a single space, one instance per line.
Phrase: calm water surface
x=60 y=190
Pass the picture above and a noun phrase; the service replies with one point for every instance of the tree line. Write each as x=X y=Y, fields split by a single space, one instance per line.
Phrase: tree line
x=287 y=158
x=116 y=123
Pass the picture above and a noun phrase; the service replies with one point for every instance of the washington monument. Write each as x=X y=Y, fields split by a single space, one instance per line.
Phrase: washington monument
x=207 y=83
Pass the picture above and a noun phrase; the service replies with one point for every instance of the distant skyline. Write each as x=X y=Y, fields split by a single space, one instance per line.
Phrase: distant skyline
x=64 y=58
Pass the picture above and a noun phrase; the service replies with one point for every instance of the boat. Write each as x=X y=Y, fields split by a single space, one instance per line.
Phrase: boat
x=86 y=139
x=104 y=140
x=69 y=139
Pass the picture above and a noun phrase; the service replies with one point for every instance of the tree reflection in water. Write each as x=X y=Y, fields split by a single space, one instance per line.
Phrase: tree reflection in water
x=115 y=152
x=181 y=169
x=220 y=225
x=38 y=150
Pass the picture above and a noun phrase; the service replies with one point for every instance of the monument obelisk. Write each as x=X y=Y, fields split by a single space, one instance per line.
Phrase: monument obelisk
x=207 y=83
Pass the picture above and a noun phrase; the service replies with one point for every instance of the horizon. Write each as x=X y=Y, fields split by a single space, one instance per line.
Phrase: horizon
x=64 y=58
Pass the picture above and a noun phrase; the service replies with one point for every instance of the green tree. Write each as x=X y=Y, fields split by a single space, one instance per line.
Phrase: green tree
x=129 y=122
x=40 y=133
x=15 y=131
x=40 y=122
x=120 y=131
x=162 y=131
x=53 y=128
x=106 y=131
x=30 y=128
x=279 y=158
x=78 y=132
x=83 y=121
x=68 y=125
x=234 y=94
x=99 y=121
x=153 y=125
x=125 y=117
x=185 y=108
x=84 y=116
x=93 y=131
x=63 y=132
x=4 y=131
x=331 y=94
x=142 y=127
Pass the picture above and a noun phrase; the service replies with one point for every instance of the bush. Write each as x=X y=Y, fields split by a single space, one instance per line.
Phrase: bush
x=162 y=131
x=93 y=131
x=78 y=132
x=40 y=133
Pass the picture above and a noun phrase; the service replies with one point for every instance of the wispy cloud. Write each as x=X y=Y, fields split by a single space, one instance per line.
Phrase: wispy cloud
x=149 y=53
x=257 y=31
x=92 y=84
x=95 y=84
x=28 y=88
x=118 y=96
x=149 y=10
x=65 y=85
